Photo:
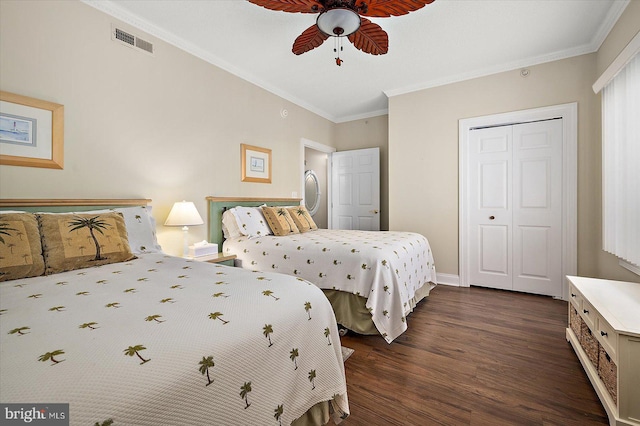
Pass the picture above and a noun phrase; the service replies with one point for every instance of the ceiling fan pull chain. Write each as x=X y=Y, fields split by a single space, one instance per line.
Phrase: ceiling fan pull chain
x=338 y=48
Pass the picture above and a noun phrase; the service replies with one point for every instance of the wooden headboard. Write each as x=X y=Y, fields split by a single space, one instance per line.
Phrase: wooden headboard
x=65 y=205
x=218 y=205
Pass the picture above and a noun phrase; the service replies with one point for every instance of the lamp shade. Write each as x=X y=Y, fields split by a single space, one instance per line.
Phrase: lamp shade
x=338 y=22
x=183 y=213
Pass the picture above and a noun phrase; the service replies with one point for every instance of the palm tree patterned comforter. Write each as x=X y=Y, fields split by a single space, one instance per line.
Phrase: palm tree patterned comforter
x=165 y=341
x=386 y=268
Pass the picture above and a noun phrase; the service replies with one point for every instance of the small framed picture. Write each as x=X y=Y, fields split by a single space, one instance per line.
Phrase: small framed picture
x=31 y=132
x=256 y=164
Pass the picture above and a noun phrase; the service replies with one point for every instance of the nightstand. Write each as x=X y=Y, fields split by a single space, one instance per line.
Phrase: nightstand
x=225 y=259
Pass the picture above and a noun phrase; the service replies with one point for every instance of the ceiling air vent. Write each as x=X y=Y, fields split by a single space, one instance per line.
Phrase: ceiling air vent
x=131 y=40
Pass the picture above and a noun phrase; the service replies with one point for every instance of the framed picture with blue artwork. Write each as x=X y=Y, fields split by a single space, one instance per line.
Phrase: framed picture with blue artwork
x=256 y=164
x=31 y=132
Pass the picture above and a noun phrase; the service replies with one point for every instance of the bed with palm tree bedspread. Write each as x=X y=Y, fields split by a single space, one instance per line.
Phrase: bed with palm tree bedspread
x=373 y=279
x=152 y=339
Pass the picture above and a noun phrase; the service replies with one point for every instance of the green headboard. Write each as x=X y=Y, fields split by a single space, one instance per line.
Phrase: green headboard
x=218 y=205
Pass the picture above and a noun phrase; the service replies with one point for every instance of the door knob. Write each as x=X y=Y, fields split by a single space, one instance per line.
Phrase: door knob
x=491 y=217
x=374 y=211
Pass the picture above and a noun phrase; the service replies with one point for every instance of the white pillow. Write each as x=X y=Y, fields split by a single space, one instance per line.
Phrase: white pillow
x=251 y=221
x=230 y=228
x=141 y=229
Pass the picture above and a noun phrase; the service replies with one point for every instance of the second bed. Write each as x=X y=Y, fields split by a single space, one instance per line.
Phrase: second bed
x=373 y=279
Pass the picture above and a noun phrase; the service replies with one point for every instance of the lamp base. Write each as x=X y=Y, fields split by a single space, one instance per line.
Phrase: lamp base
x=185 y=246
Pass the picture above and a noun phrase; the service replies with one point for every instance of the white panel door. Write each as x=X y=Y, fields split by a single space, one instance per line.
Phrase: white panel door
x=537 y=207
x=355 y=189
x=515 y=216
x=490 y=236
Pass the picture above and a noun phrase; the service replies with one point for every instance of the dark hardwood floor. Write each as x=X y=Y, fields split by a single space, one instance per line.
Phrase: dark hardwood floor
x=473 y=356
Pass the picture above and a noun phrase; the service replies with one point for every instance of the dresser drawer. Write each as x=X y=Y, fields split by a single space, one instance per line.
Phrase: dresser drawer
x=588 y=314
x=575 y=298
x=607 y=338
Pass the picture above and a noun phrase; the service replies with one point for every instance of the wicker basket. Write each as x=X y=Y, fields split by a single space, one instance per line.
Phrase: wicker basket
x=589 y=344
x=608 y=372
x=574 y=321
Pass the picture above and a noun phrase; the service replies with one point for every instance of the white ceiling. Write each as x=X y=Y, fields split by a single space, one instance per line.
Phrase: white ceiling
x=444 y=42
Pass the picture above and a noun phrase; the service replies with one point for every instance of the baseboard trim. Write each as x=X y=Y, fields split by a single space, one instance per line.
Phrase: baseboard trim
x=448 y=279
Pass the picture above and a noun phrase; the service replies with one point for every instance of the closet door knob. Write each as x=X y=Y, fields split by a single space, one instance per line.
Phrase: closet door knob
x=491 y=217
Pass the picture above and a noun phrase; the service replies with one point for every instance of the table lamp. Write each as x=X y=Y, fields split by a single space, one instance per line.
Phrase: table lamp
x=185 y=214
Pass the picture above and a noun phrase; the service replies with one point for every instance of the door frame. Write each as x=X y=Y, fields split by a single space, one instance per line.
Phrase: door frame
x=569 y=114
x=307 y=143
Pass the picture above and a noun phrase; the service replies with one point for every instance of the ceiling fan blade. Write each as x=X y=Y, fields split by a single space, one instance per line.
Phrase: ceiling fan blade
x=311 y=38
x=294 y=6
x=386 y=8
x=370 y=38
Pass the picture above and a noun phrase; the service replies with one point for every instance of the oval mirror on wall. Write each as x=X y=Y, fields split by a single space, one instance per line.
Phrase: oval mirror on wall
x=311 y=192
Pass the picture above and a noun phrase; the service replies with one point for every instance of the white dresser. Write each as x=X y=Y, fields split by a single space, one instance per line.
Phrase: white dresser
x=604 y=330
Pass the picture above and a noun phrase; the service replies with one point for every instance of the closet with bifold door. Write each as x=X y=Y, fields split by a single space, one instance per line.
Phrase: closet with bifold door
x=514 y=202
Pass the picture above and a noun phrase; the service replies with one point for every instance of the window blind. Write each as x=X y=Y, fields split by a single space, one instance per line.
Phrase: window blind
x=621 y=163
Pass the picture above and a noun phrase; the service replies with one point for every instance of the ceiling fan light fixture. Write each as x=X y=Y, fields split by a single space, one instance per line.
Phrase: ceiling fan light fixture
x=338 y=22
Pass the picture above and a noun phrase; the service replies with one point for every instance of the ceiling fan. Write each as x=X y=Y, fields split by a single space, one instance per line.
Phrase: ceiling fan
x=344 y=18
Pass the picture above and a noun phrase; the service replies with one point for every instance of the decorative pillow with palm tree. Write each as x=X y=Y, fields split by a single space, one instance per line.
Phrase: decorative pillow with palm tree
x=83 y=240
x=280 y=221
x=141 y=228
x=302 y=218
x=20 y=247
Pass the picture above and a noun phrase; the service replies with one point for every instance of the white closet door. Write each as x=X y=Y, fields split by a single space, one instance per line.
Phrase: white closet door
x=490 y=222
x=515 y=216
x=537 y=207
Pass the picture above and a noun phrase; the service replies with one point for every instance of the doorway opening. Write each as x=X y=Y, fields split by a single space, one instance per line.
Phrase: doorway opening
x=315 y=157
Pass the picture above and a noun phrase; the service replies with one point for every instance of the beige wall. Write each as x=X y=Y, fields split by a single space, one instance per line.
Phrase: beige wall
x=423 y=149
x=166 y=127
x=369 y=133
